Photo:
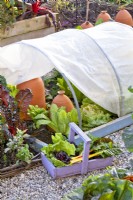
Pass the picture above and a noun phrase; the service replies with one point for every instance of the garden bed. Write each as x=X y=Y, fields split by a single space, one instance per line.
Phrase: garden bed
x=26 y=29
x=96 y=6
x=21 y=22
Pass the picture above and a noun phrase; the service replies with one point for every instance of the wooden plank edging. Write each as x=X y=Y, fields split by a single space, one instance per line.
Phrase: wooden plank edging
x=100 y=131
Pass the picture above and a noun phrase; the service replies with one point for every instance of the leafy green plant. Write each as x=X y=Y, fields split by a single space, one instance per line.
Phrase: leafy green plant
x=3 y=81
x=24 y=154
x=99 y=147
x=16 y=144
x=37 y=114
x=93 y=115
x=104 y=145
x=7 y=16
x=60 y=144
x=50 y=82
x=127 y=137
x=58 y=5
x=13 y=91
x=122 y=2
x=58 y=119
x=101 y=187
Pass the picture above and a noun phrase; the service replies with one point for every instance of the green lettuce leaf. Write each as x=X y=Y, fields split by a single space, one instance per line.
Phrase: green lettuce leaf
x=59 y=144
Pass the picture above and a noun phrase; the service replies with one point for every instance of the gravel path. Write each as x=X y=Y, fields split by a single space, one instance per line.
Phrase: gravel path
x=36 y=184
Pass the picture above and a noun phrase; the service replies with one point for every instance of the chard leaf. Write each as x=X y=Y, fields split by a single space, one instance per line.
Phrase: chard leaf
x=109 y=195
x=76 y=194
x=104 y=187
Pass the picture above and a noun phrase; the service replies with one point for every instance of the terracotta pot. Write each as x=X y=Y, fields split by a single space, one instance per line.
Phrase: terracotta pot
x=38 y=90
x=86 y=24
x=123 y=16
x=62 y=100
x=104 y=16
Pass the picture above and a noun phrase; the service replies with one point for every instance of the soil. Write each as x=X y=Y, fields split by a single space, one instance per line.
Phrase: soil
x=70 y=17
x=42 y=134
x=9 y=158
x=96 y=6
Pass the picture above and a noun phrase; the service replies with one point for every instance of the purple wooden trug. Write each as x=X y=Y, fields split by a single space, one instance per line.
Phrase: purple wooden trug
x=79 y=168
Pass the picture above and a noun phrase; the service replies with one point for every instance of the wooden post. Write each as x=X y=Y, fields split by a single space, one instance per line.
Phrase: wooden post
x=87 y=9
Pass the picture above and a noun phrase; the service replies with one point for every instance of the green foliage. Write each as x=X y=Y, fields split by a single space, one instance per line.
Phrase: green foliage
x=130 y=88
x=59 y=5
x=24 y=154
x=127 y=137
x=12 y=90
x=104 y=146
x=93 y=115
x=2 y=137
x=3 y=81
x=50 y=82
x=99 y=21
x=58 y=121
x=6 y=15
x=59 y=144
x=78 y=27
x=101 y=187
x=38 y=115
x=122 y=2
x=16 y=144
x=2 y=119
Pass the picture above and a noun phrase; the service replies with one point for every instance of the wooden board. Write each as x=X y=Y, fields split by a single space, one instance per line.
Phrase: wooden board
x=100 y=131
x=25 y=36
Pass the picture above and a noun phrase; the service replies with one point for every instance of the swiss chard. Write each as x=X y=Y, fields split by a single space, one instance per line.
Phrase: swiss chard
x=101 y=187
